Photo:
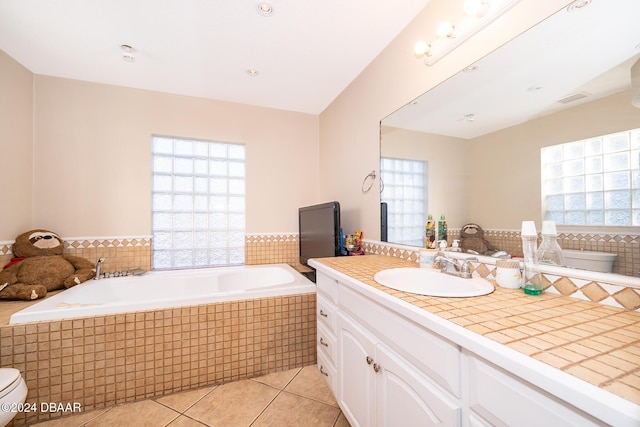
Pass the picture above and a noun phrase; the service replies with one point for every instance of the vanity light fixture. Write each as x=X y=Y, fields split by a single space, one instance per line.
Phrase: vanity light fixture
x=478 y=14
x=635 y=84
x=128 y=53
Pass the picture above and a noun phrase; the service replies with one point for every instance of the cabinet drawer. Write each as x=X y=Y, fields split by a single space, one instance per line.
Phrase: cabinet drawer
x=328 y=371
x=430 y=353
x=327 y=343
x=326 y=313
x=327 y=286
x=498 y=398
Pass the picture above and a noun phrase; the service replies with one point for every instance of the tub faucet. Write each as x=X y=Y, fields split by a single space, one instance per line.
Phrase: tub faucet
x=452 y=267
x=98 y=266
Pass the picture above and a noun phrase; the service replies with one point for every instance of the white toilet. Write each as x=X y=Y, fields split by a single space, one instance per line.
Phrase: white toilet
x=13 y=392
x=589 y=260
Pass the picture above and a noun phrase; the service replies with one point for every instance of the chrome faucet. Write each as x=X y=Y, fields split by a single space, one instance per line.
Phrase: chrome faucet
x=98 y=266
x=454 y=268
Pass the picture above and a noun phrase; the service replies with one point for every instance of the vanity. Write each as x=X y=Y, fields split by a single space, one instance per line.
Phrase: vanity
x=395 y=358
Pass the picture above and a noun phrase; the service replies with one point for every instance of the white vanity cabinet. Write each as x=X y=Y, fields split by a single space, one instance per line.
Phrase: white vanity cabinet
x=326 y=313
x=376 y=384
x=391 y=364
x=377 y=387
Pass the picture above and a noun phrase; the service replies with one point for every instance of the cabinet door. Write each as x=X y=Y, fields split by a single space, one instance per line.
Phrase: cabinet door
x=356 y=381
x=498 y=398
x=405 y=397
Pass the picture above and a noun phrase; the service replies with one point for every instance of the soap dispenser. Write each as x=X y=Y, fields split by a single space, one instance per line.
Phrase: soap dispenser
x=550 y=251
x=532 y=278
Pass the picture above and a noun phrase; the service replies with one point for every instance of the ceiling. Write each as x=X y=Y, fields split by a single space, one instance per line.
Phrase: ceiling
x=305 y=53
x=589 y=50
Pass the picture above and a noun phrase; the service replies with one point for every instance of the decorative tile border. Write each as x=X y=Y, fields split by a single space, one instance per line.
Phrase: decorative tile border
x=621 y=296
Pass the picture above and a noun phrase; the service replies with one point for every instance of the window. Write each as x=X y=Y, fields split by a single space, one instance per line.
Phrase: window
x=405 y=190
x=595 y=181
x=198 y=206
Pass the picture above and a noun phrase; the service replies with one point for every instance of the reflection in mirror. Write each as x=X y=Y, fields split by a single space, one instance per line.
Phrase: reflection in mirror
x=480 y=132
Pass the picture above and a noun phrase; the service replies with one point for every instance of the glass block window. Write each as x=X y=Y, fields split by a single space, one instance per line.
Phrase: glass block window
x=595 y=181
x=405 y=192
x=198 y=205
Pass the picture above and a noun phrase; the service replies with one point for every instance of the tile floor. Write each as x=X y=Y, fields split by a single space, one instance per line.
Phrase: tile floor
x=297 y=397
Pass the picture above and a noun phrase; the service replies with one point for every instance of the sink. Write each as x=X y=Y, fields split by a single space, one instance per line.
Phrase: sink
x=424 y=281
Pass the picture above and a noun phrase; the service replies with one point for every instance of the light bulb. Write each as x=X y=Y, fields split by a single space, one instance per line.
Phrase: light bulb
x=422 y=48
x=445 y=29
x=476 y=7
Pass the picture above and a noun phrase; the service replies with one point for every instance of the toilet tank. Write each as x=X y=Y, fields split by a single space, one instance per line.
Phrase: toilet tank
x=589 y=260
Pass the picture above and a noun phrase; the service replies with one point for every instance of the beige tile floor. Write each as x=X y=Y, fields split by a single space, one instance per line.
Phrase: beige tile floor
x=297 y=397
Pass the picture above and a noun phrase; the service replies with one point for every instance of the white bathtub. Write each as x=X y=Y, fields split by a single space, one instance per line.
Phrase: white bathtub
x=165 y=289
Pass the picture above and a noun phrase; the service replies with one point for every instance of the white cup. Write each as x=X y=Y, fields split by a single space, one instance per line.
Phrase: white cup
x=508 y=277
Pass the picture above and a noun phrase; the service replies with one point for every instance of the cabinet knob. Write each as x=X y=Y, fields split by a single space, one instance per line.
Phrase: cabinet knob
x=369 y=360
x=322 y=313
x=376 y=367
x=323 y=372
x=323 y=343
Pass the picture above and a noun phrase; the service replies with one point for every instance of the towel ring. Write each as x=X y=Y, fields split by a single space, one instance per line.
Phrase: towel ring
x=372 y=175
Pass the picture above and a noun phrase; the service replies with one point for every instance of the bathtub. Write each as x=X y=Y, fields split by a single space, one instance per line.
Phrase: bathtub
x=167 y=289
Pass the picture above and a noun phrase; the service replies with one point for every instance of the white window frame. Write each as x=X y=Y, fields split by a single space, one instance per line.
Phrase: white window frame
x=198 y=203
x=593 y=182
x=405 y=192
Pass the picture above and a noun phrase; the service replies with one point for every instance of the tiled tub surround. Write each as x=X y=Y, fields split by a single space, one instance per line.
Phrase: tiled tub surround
x=592 y=342
x=588 y=286
x=105 y=360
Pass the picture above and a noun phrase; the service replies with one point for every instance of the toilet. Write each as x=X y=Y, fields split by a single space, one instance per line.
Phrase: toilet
x=13 y=392
x=589 y=260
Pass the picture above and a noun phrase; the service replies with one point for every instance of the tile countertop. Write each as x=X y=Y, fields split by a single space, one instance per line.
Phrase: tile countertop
x=596 y=343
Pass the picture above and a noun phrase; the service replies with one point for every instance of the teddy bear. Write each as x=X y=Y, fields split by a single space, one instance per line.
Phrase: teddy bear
x=38 y=266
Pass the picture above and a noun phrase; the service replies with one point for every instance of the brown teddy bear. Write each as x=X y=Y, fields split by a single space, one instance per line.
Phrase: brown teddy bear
x=39 y=266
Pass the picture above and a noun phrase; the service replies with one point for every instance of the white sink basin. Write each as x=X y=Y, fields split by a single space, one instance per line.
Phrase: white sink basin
x=432 y=282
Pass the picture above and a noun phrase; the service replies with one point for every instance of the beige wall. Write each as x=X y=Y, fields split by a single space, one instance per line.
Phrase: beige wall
x=448 y=181
x=349 y=127
x=16 y=146
x=508 y=161
x=92 y=157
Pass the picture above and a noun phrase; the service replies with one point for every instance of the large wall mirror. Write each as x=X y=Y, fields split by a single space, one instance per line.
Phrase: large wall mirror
x=478 y=135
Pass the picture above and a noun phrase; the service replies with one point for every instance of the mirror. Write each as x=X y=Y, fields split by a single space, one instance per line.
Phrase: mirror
x=480 y=132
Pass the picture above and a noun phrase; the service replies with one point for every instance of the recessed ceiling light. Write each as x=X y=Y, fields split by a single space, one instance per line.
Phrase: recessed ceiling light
x=127 y=53
x=252 y=71
x=265 y=8
x=578 y=4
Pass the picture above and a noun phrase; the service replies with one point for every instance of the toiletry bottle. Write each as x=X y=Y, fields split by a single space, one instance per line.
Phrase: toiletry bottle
x=532 y=278
x=430 y=233
x=442 y=228
x=442 y=247
x=549 y=251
